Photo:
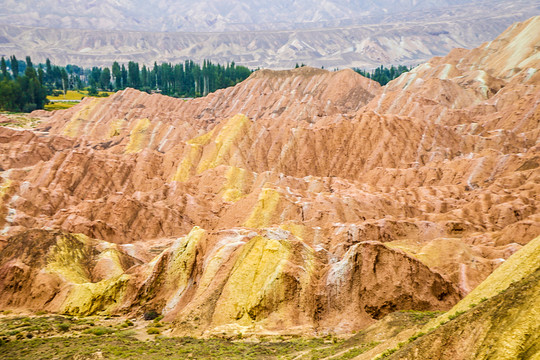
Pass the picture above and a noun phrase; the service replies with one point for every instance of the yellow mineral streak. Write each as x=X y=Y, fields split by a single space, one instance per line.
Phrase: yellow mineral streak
x=74 y=126
x=297 y=230
x=183 y=256
x=262 y=214
x=508 y=342
x=213 y=264
x=4 y=189
x=67 y=257
x=111 y=254
x=203 y=139
x=202 y=156
x=518 y=266
x=180 y=268
x=233 y=189
x=227 y=136
x=436 y=253
x=90 y=298
x=138 y=136
x=185 y=168
x=115 y=128
x=189 y=162
x=255 y=279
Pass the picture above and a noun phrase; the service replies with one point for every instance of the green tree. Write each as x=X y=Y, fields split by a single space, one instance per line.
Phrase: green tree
x=25 y=92
x=65 y=82
x=144 y=77
x=154 y=81
x=117 y=75
x=48 y=71
x=14 y=66
x=3 y=66
x=105 y=79
x=95 y=77
x=41 y=76
x=124 y=76
x=30 y=72
x=10 y=95
x=134 y=79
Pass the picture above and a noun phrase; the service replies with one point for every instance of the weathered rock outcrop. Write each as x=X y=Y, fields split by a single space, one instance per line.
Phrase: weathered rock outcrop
x=298 y=201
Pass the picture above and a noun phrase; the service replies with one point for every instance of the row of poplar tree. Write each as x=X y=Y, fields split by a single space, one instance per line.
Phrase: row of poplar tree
x=24 y=87
x=186 y=79
x=382 y=74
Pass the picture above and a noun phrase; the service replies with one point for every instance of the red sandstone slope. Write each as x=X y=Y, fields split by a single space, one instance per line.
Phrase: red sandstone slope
x=329 y=202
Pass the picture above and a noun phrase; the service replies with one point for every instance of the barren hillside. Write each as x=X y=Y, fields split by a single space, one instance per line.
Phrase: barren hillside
x=297 y=202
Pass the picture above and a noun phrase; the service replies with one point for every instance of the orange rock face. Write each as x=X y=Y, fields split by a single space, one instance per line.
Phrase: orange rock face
x=299 y=201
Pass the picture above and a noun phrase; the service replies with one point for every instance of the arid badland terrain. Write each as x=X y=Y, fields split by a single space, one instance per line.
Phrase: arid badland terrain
x=299 y=202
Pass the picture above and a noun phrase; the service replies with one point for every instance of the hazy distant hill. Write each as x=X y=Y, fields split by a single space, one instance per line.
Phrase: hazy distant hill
x=333 y=33
x=206 y=15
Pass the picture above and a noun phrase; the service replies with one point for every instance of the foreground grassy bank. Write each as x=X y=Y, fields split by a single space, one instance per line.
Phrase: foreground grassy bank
x=125 y=346
x=45 y=336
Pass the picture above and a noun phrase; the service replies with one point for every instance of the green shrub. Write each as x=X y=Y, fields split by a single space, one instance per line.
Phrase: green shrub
x=416 y=336
x=100 y=330
x=63 y=327
x=152 y=331
x=387 y=353
x=150 y=315
x=455 y=315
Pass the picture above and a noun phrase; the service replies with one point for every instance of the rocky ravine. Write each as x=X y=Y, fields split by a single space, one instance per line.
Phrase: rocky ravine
x=300 y=201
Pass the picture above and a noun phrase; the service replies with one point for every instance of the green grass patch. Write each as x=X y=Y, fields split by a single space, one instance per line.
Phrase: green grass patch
x=352 y=353
x=127 y=347
x=70 y=95
x=422 y=316
x=63 y=327
x=152 y=331
x=455 y=315
x=77 y=95
x=59 y=105
x=99 y=330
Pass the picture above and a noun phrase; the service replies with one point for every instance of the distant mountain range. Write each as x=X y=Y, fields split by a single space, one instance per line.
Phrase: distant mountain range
x=332 y=33
x=208 y=15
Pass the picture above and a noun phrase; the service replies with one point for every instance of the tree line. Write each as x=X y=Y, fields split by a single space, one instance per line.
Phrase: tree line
x=187 y=79
x=21 y=88
x=24 y=87
x=382 y=74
